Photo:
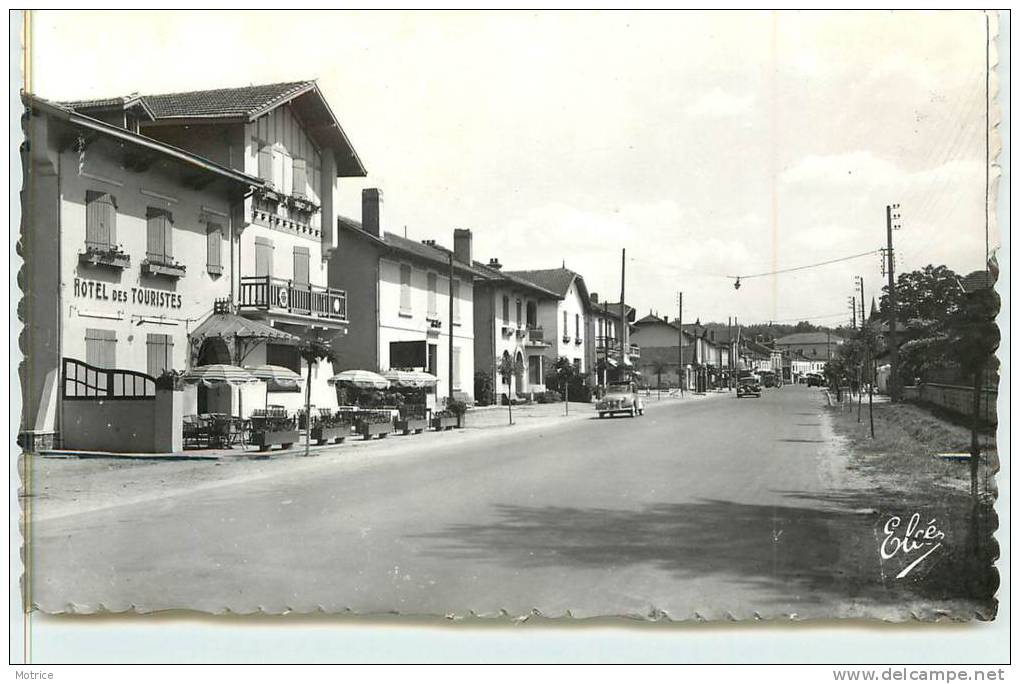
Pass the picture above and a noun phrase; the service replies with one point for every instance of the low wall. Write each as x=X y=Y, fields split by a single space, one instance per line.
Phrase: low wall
x=125 y=425
x=956 y=398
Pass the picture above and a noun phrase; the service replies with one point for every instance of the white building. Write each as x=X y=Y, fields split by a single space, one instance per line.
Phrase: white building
x=564 y=320
x=408 y=287
x=286 y=135
x=507 y=327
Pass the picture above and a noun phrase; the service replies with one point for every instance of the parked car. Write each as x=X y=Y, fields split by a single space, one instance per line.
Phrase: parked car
x=815 y=380
x=748 y=387
x=620 y=398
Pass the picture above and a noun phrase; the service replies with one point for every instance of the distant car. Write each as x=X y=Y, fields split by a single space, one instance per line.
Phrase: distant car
x=748 y=388
x=815 y=380
x=620 y=398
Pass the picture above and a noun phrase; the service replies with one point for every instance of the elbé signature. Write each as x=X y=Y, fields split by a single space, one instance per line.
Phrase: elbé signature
x=910 y=539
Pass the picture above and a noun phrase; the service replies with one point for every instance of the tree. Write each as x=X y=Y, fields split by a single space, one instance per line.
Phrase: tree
x=312 y=349
x=929 y=294
x=509 y=366
x=972 y=338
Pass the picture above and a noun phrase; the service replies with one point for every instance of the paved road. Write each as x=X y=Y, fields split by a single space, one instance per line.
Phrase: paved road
x=713 y=508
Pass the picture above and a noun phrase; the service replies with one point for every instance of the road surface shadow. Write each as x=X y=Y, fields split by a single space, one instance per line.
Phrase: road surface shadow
x=821 y=554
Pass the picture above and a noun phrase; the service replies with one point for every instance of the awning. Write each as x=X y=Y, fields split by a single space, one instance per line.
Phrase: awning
x=232 y=326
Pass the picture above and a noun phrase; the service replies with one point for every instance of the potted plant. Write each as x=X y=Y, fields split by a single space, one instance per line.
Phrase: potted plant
x=457 y=409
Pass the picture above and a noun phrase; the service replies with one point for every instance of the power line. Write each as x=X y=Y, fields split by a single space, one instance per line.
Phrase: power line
x=807 y=266
x=798 y=319
x=756 y=275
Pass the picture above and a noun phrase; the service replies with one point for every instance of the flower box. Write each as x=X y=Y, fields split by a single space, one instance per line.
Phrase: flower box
x=112 y=257
x=267 y=438
x=409 y=425
x=161 y=268
x=324 y=434
x=443 y=421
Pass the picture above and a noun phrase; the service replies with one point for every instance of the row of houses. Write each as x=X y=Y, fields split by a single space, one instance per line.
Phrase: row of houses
x=164 y=232
x=697 y=357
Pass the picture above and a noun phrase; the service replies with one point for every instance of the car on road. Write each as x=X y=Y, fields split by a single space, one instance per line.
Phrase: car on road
x=815 y=380
x=748 y=387
x=620 y=398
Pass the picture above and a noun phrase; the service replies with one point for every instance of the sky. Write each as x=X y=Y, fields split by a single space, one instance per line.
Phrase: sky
x=705 y=144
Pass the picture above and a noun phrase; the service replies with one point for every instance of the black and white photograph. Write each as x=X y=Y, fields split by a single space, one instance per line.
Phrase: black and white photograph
x=672 y=317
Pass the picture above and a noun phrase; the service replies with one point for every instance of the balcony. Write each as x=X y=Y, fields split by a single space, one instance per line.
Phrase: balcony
x=536 y=337
x=612 y=346
x=278 y=296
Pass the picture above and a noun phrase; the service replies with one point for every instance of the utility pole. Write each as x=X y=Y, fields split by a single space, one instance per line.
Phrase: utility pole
x=860 y=279
x=892 y=214
x=853 y=308
x=729 y=353
x=449 y=362
x=623 y=310
x=680 y=342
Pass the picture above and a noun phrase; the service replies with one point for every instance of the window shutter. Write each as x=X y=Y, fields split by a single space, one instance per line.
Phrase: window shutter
x=213 y=244
x=455 y=367
x=109 y=349
x=154 y=234
x=265 y=162
x=100 y=219
x=455 y=293
x=152 y=353
x=93 y=356
x=263 y=258
x=432 y=294
x=277 y=177
x=287 y=165
x=405 y=287
x=110 y=219
x=300 y=178
x=168 y=235
x=93 y=217
x=301 y=258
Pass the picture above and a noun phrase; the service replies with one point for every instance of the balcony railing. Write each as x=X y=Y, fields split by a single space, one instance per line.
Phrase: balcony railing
x=278 y=295
x=611 y=345
x=536 y=337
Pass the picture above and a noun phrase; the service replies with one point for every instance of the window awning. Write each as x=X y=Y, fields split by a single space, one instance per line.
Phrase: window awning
x=232 y=326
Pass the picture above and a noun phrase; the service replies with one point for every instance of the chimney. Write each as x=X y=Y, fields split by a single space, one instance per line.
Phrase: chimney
x=462 y=245
x=371 y=210
x=594 y=297
x=494 y=264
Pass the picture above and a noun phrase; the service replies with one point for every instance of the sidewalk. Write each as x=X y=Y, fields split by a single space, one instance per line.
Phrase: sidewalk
x=63 y=483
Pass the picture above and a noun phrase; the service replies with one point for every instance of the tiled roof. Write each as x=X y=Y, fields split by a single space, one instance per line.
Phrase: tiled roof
x=73 y=118
x=808 y=338
x=435 y=255
x=246 y=103
x=505 y=276
x=224 y=102
x=356 y=228
x=220 y=103
x=556 y=280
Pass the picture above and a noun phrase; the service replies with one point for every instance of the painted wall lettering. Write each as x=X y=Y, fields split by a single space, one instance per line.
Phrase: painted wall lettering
x=91 y=289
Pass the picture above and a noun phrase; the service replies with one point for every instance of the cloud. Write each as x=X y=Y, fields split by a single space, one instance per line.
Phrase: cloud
x=719 y=103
